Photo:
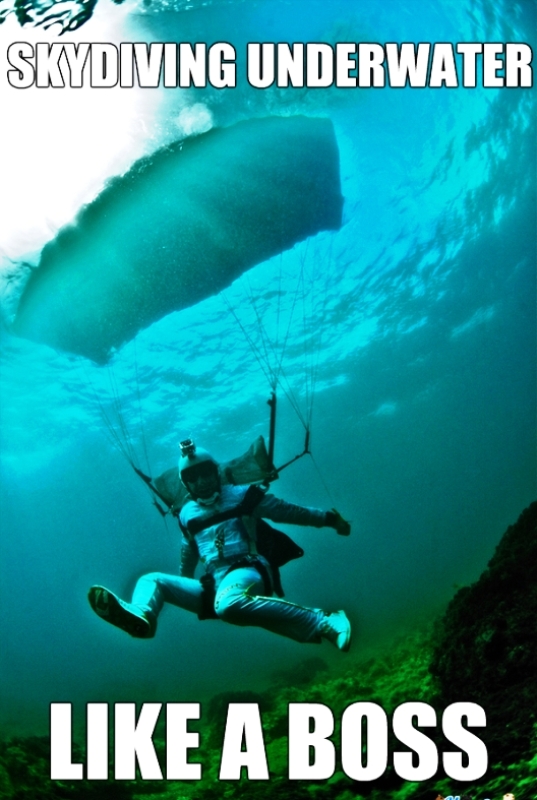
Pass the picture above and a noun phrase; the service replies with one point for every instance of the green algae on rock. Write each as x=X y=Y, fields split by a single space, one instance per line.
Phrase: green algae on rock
x=486 y=650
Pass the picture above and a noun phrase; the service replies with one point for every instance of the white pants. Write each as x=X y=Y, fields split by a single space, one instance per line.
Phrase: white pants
x=239 y=600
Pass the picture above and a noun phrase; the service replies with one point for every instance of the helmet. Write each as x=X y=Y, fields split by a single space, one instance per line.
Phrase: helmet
x=193 y=457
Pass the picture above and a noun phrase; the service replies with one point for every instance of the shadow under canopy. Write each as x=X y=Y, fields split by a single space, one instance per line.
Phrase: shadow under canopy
x=180 y=226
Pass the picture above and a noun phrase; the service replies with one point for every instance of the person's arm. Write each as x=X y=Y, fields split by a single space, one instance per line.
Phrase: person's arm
x=277 y=510
x=189 y=558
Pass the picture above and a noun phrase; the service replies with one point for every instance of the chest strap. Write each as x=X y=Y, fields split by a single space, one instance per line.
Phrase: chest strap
x=253 y=496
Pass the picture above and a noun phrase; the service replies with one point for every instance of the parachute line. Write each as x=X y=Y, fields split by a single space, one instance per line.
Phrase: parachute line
x=119 y=436
x=325 y=485
x=140 y=415
x=270 y=350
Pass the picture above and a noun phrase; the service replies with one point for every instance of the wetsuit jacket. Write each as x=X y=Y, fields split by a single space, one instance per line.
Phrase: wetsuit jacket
x=221 y=545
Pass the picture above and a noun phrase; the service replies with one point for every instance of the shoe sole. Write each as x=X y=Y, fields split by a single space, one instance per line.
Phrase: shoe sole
x=343 y=641
x=346 y=645
x=110 y=608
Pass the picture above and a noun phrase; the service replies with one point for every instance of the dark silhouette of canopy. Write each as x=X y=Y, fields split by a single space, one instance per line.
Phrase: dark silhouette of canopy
x=180 y=226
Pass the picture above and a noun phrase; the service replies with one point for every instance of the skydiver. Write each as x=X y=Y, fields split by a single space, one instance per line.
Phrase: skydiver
x=219 y=526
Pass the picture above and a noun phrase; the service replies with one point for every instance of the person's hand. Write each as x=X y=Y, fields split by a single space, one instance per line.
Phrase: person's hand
x=336 y=521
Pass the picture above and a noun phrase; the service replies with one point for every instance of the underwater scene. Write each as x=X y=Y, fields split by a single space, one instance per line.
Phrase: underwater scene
x=348 y=273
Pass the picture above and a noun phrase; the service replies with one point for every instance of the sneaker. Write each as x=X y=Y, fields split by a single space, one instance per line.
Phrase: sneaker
x=337 y=629
x=123 y=615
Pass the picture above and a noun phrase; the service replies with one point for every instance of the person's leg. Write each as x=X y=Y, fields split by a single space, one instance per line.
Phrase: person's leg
x=139 y=618
x=240 y=601
x=156 y=588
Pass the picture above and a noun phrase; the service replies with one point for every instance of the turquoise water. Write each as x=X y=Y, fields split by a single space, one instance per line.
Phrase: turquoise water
x=418 y=318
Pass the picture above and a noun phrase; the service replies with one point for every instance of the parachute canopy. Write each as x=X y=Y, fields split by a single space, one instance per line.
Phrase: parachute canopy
x=180 y=226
